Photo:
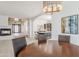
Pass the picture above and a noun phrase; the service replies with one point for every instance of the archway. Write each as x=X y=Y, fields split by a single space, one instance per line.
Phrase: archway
x=42 y=24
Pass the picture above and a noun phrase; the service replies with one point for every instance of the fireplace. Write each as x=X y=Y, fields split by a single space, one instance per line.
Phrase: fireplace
x=5 y=31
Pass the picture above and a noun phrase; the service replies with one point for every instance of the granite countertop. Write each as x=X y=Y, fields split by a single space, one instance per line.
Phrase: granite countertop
x=13 y=36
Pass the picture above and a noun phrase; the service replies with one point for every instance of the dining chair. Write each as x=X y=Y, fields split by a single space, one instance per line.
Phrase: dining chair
x=18 y=45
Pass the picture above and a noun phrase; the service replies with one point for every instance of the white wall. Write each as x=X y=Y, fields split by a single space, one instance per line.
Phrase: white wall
x=25 y=27
x=3 y=20
x=30 y=28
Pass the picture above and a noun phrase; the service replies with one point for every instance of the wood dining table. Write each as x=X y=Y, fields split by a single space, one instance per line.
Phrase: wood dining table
x=51 y=48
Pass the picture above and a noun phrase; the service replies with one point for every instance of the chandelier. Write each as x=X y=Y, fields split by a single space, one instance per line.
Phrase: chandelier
x=51 y=6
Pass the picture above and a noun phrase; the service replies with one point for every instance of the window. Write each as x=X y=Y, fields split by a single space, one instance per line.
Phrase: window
x=16 y=28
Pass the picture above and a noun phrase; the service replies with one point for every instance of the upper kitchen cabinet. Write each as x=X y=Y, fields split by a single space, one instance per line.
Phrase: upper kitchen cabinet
x=15 y=21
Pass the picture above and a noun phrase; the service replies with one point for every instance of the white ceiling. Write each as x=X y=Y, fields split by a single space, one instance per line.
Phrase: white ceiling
x=20 y=8
x=28 y=9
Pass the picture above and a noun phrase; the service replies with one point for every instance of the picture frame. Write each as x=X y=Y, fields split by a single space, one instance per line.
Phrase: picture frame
x=69 y=24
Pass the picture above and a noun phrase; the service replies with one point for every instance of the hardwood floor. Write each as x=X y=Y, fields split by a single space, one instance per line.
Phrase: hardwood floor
x=50 y=49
